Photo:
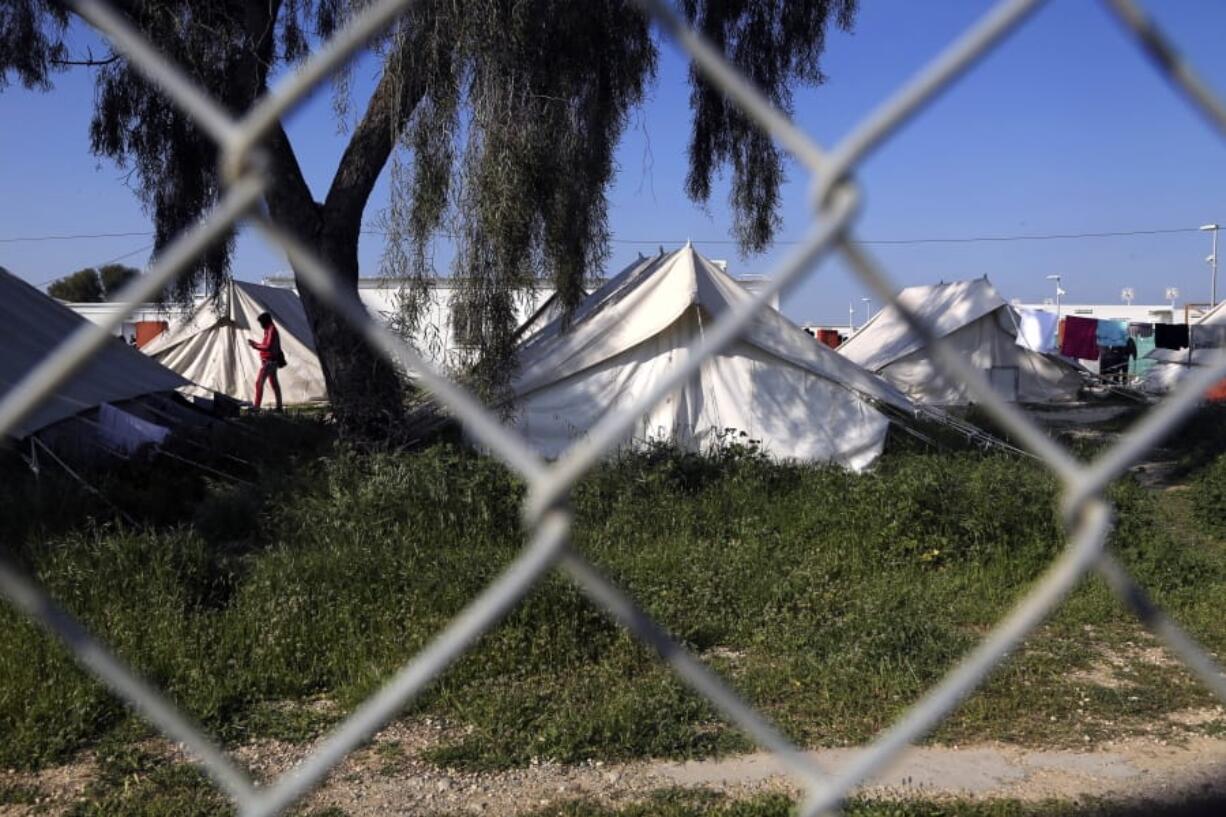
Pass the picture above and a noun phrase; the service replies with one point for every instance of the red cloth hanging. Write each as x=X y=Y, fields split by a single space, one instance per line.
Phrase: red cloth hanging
x=1080 y=338
x=829 y=337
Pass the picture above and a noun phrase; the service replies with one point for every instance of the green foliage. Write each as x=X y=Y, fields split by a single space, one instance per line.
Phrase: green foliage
x=83 y=286
x=134 y=783
x=831 y=600
x=31 y=41
x=92 y=285
x=1209 y=497
x=115 y=277
x=508 y=117
x=775 y=45
x=1200 y=439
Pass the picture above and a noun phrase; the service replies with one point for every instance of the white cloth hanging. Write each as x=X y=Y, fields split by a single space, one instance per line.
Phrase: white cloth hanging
x=1036 y=330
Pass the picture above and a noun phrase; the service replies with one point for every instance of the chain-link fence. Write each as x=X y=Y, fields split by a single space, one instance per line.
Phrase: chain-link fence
x=835 y=198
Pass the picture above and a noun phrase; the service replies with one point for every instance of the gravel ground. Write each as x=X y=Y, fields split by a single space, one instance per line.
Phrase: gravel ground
x=389 y=777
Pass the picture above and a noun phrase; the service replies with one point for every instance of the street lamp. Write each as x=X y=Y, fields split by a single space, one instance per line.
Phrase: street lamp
x=867 y=301
x=1171 y=294
x=1127 y=294
x=1212 y=259
x=851 y=317
x=1059 y=292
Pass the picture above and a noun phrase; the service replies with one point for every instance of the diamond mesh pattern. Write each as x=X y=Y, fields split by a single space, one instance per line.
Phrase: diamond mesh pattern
x=835 y=200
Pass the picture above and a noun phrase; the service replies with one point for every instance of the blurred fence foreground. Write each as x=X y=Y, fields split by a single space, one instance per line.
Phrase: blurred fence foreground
x=835 y=199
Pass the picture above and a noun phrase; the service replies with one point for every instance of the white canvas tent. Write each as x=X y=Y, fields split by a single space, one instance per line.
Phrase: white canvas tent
x=977 y=322
x=1173 y=365
x=210 y=346
x=775 y=384
x=32 y=325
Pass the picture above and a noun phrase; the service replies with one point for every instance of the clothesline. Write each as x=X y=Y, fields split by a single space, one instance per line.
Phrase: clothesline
x=1085 y=338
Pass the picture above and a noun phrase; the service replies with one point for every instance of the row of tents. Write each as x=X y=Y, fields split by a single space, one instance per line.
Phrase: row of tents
x=797 y=399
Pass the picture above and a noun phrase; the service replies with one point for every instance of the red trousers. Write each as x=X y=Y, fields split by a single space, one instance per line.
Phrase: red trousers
x=268 y=371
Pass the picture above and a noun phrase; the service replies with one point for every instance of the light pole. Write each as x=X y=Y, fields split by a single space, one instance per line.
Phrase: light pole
x=867 y=301
x=851 y=317
x=1171 y=294
x=1127 y=294
x=1212 y=228
x=1059 y=292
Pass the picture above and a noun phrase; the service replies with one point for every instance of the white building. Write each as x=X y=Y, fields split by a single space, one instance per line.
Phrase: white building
x=141 y=320
x=1133 y=313
x=440 y=338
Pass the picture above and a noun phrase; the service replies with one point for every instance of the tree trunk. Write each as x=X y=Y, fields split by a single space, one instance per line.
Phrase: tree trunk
x=364 y=388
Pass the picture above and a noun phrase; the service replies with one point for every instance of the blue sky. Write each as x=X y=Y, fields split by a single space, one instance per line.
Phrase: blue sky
x=1064 y=129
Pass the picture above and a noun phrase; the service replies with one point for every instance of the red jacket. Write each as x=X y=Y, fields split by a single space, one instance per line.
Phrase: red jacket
x=270 y=346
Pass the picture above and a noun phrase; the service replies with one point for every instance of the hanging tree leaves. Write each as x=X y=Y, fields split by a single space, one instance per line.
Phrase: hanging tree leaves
x=511 y=151
x=776 y=45
x=499 y=118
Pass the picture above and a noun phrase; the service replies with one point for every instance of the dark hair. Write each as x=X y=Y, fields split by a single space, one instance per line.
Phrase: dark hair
x=265 y=319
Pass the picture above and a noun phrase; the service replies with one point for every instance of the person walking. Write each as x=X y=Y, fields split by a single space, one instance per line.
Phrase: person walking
x=271 y=359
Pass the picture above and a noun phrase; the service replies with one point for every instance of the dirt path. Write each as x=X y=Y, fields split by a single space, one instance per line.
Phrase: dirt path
x=390 y=777
x=1130 y=770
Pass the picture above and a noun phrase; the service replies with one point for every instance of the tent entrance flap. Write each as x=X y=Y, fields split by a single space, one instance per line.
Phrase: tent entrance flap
x=210 y=347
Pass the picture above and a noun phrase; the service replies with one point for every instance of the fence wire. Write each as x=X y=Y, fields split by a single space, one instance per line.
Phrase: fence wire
x=835 y=197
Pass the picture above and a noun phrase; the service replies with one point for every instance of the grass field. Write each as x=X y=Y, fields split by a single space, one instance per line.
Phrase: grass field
x=832 y=601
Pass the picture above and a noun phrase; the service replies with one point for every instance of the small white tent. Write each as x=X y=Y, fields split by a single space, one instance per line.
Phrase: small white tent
x=210 y=346
x=776 y=384
x=978 y=324
x=32 y=325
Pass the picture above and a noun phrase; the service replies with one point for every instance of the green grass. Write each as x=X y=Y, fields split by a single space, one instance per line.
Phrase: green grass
x=18 y=794
x=832 y=601
x=134 y=783
x=1209 y=497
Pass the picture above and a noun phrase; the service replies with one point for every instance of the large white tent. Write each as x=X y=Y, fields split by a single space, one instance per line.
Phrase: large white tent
x=210 y=346
x=972 y=318
x=32 y=325
x=775 y=384
x=1173 y=365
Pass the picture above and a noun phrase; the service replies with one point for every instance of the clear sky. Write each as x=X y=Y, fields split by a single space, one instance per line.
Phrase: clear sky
x=1064 y=129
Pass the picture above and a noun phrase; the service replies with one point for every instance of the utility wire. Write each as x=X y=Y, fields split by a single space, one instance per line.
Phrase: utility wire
x=56 y=277
x=669 y=242
x=950 y=240
x=72 y=237
x=125 y=255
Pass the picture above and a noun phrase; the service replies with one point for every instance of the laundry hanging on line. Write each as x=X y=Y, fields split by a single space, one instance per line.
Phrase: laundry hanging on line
x=1171 y=335
x=1111 y=334
x=1207 y=336
x=1036 y=330
x=1080 y=338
